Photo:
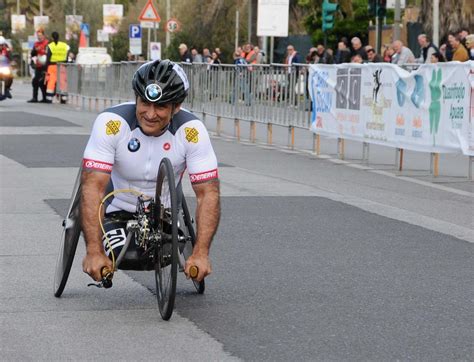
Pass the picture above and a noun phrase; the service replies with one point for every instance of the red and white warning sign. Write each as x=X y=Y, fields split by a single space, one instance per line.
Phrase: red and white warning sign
x=149 y=13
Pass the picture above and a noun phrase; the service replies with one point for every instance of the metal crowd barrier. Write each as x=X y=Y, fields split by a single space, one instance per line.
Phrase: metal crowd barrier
x=274 y=94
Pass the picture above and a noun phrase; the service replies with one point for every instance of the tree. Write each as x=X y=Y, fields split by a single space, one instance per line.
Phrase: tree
x=461 y=15
x=352 y=20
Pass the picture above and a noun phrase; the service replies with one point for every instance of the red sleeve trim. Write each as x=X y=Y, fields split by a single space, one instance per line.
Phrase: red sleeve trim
x=96 y=165
x=203 y=176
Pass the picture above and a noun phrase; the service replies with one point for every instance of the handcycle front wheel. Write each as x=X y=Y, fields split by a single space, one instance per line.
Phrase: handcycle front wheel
x=69 y=239
x=166 y=252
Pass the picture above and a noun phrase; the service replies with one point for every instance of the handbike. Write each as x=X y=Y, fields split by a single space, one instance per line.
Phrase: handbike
x=161 y=229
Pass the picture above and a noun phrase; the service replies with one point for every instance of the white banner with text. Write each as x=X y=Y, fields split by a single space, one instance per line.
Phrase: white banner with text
x=429 y=110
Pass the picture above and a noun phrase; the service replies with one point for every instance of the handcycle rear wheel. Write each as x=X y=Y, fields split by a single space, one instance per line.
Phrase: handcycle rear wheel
x=200 y=286
x=69 y=239
x=166 y=252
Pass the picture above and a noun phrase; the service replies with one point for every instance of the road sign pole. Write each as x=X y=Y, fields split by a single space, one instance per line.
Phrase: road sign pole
x=148 y=45
x=168 y=15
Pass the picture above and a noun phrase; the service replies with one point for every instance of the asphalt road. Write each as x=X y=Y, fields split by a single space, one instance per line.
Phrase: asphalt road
x=313 y=260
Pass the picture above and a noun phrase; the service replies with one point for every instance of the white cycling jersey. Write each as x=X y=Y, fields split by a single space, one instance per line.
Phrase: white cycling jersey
x=118 y=146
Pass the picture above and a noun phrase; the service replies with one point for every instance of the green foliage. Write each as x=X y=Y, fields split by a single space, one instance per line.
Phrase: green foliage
x=346 y=25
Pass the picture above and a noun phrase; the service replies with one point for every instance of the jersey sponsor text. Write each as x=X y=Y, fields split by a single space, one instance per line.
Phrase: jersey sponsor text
x=96 y=165
x=203 y=176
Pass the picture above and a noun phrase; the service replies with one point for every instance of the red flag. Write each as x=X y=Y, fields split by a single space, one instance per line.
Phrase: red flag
x=82 y=40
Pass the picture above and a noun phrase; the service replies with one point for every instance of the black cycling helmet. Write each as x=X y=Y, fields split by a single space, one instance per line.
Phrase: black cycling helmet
x=161 y=82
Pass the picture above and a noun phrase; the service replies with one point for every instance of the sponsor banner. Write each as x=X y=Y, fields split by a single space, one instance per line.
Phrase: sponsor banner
x=203 y=176
x=40 y=22
x=73 y=26
x=113 y=15
x=18 y=23
x=96 y=165
x=426 y=110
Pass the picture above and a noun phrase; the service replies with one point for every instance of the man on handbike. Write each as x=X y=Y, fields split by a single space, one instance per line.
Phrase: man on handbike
x=126 y=146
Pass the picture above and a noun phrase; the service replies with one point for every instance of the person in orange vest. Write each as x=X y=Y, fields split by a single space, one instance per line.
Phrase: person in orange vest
x=56 y=53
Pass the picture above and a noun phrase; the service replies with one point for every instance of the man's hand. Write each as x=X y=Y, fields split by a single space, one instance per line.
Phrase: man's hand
x=94 y=262
x=203 y=264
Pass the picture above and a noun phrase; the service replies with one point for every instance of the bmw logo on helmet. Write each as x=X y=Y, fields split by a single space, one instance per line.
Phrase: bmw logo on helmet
x=153 y=92
x=133 y=145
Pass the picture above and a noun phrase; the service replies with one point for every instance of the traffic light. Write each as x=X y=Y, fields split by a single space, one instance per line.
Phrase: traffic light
x=381 y=8
x=328 y=14
x=377 y=8
x=372 y=7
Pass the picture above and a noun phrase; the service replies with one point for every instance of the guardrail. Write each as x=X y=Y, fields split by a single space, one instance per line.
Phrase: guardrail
x=274 y=95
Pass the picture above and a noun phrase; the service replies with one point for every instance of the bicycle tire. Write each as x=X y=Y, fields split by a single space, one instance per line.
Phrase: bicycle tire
x=200 y=286
x=166 y=254
x=69 y=239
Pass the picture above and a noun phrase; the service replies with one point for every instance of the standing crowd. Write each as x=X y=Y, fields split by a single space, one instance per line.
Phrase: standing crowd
x=458 y=47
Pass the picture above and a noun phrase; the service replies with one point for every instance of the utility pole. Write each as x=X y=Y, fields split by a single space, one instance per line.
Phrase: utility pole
x=168 y=16
x=436 y=22
x=249 y=37
x=396 y=23
x=41 y=7
x=18 y=7
x=236 y=29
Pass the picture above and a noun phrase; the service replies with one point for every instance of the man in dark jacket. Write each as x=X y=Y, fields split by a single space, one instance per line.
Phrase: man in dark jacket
x=184 y=53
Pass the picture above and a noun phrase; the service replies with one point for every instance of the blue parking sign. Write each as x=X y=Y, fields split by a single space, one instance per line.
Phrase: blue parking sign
x=134 y=31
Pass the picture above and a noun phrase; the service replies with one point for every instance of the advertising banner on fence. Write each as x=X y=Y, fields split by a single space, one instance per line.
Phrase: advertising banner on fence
x=424 y=110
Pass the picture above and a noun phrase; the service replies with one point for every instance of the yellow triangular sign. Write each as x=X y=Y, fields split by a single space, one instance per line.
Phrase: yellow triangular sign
x=149 y=13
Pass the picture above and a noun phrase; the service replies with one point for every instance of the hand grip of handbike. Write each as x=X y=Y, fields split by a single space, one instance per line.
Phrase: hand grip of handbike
x=193 y=271
x=107 y=275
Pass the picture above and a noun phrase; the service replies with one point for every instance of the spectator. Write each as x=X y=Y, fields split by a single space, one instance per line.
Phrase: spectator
x=312 y=57
x=71 y=57
x=463 y=33
x=470 y=45
x=184 y=53
x=460 y=52
x=260 y=55
x=427 y=49
x=206 y=55
x=372 y=56
x=292 y=57
x=388 y=53
x=197 y=58
x=446 y=49
x=357 y=48
x=38 y=60
x=436 y=57
x=403 y=55
x=357 y=58
x=250 y=55
x=343 y=53
x=242 y=83
x=215 y=59
x=324 y=56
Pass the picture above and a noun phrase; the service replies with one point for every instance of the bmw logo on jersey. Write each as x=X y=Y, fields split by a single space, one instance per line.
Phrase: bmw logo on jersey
x=133 y=145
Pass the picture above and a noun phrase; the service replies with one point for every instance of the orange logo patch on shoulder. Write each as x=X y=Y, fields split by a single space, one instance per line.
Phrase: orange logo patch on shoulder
x=112 y=127
x=192 y=134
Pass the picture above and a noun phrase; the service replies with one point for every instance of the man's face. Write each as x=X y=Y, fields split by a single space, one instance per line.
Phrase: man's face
x=422 y=41
x=397 y=47
x=370 y=54
x=356 y=44
x=290 y=50
x=153 y=118
x=452 y=41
